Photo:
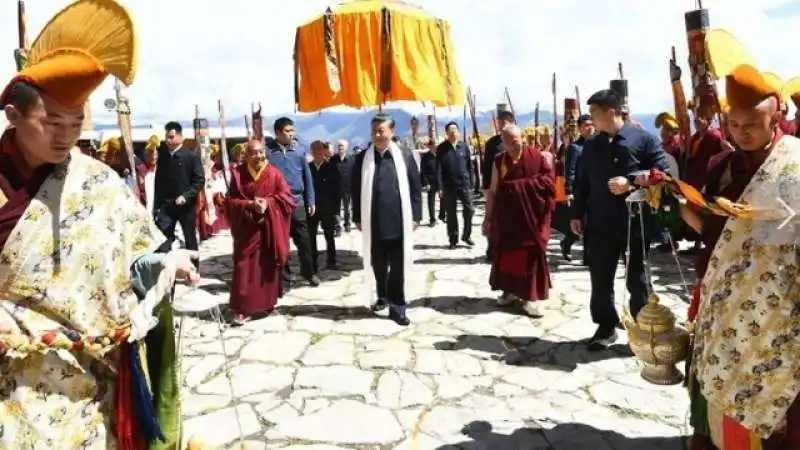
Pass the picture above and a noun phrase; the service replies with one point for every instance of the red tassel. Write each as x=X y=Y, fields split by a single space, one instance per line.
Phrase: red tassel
x=694 y=304
x=127 y=437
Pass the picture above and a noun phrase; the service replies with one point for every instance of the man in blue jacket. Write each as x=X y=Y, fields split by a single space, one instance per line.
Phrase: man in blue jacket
x=291 y=161
x=608 y=164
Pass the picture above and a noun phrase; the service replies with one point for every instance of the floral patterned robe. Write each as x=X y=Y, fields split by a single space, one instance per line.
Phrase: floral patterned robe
x=66 y=291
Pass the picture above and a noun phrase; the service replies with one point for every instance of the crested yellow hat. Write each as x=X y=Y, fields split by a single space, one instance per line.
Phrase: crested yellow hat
x=152 y=143
x=666 y=120
x=112 y=145
x=746 y=87
x=83 y=44
x=238 y=148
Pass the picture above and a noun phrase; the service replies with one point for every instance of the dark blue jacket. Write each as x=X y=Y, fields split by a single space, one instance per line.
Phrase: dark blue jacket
x=294 y=167
x=603 y=158
x=453 y=166
x=571 y=159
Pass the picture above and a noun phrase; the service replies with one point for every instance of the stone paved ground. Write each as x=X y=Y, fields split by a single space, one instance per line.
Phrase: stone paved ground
x=324 y=374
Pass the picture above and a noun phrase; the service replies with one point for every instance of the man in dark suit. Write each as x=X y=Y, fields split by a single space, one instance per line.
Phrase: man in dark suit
x=179 y=177
x=388 y=234
x=327 y=187
x=429 y=182
x=586 y=130
x=285 y=156
x=454 y=178
x=344 y=164
x=608 y=164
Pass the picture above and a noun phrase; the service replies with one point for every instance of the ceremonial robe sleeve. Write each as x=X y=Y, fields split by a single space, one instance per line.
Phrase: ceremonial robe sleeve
x=355 y=187
x=414 y=187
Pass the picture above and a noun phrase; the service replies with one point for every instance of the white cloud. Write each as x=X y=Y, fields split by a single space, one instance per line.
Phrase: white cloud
x=195 y=51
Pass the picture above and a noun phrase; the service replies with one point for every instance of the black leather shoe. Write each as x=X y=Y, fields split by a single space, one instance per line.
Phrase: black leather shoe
x=468 y=241
x=380 y=305
x=566 y=252
x=399 y=318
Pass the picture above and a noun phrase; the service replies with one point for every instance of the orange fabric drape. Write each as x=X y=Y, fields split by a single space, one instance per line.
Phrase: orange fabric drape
x=418 y=66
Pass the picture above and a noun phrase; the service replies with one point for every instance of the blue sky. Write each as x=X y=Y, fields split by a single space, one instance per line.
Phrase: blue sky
x=196 y=51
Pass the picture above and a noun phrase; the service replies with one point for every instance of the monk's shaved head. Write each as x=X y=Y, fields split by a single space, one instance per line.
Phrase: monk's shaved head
x=512 y=138
x=512 y=130
x=753 y=128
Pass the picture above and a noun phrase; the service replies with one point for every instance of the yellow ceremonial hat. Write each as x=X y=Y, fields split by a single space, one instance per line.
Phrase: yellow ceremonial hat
x=213 y=149
x=666 y=120
x=77 y=50
x=746 y=87
x=723 y=105
x=545 y=130
x=152 y=143
x=238 y=148
x=112 y=145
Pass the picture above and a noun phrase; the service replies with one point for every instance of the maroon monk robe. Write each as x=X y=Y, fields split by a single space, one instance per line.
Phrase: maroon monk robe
x=18 y=182
x=260 y=241
x=700 y=149
x=520 y=225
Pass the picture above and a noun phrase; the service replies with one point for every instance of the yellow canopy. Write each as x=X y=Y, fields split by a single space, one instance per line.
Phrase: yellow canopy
x=773 y=80
x=367 y=52
x=724 y=53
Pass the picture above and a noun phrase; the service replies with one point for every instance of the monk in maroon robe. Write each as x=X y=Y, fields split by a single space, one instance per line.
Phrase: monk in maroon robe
x=519 y=206
x=259 y=207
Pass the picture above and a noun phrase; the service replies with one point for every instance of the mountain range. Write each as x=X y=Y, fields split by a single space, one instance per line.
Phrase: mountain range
x=355 y=126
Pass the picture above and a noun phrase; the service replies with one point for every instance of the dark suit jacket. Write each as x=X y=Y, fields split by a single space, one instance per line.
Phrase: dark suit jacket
x=631 y=150
x=414 y=185
x=428 y=166
x=327 y=187
x=571 y=159
x=454 y=166
x=178 y=174
x=345 y=168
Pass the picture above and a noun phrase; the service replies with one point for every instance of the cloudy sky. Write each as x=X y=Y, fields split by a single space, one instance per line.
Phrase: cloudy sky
x=196 y=51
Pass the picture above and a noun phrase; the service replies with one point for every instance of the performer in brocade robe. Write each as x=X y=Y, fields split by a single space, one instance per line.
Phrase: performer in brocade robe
x=71 y=321
x=743 y=375
x=519 y=204
x=259 y=206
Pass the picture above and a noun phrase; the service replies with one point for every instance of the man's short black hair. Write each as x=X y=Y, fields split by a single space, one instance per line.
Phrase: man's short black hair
x=23 y=96
x=452 y=123
x=382 y=118
x=173 y=126
x=281 y=123
x=607 y=99
x=584 y=118
x=506 y=115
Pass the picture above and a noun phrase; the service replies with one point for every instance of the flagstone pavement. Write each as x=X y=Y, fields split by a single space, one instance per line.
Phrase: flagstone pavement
x=325 y=374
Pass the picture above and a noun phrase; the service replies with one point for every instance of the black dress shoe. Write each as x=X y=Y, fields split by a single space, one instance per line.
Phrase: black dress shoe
x=332 y=265
x=602 y=339
x=399 y=318
x=380 y=305
x=566 y=252
x=468 y=241
x=313 y=280
x=453 y=245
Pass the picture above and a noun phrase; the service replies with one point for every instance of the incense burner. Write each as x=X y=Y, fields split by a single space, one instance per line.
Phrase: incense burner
x=658 y=342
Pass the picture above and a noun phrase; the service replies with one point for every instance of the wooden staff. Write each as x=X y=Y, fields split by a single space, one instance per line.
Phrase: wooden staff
x=508 y=99
x=679 y=98
x=257 y=122
x=555 y=117
x=21 y=52
x=126 y=138
x=223 y=143
x=247 y=125
x=536 y=124
x=473 y=116
x=578 y=99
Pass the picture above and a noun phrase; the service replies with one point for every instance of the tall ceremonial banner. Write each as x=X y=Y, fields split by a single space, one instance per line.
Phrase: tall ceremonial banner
x=257 y=122
x=620 y=86
x=704 y=94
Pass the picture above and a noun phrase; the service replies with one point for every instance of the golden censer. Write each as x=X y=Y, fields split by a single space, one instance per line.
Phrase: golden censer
x=658 y=342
